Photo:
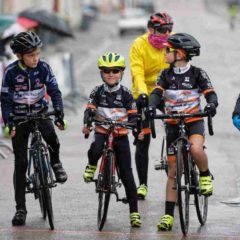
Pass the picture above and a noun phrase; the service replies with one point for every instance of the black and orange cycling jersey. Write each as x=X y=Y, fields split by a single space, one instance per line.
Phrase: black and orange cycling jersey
x=116 y=105
x=181 y=89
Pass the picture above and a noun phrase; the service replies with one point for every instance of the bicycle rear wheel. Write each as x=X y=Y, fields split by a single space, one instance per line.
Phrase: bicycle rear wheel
x=182 y=177
x=104 y=184
x=201 y=201
x=45 y=173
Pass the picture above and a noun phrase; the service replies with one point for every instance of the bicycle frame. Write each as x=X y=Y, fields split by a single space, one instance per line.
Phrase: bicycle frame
x=185 y=166
x=106 y=183
x=37 y=144
x=39 y=173
x=108 y=148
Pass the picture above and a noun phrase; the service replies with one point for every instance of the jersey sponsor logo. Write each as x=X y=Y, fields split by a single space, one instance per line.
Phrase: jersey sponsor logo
x=21 y=87
x=134 y=105
x=20 y=78
x=119 y=97
x=209 y=85
x=187 y=85
x=5 y=89
x=170 y=150
x=38 y=83
x=181 y=100
x=29 y=97
x=112 y=113
x=173 y=86
x=35 y=73
x=204 y=74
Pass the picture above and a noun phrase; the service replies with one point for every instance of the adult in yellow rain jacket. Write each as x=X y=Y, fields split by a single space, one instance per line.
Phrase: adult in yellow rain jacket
x=147 y=60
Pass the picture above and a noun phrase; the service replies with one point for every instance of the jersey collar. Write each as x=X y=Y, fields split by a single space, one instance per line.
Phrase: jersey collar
x=181 y=70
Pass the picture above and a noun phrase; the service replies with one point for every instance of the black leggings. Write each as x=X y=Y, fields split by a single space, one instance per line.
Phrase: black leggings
x=142 y=159
x=20 y=144
x=123 y=159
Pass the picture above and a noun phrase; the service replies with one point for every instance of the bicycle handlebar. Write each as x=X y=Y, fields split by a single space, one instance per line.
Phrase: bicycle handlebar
x=110 y=123
x=32 y=116
x=114 y=123
x=181 y=116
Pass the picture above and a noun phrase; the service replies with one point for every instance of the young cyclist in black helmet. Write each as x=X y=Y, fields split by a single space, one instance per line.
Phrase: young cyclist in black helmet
x=146 y=61
x=24 y=84
x=112 y=100
x=181 y=86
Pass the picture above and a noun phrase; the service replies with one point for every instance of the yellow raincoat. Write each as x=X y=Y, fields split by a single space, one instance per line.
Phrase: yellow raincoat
x=146 y=63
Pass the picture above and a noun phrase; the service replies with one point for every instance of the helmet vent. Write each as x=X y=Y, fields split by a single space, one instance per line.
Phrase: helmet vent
x=110 y=57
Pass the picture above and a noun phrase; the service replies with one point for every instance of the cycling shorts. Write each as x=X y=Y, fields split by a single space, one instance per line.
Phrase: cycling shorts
x=172 y=131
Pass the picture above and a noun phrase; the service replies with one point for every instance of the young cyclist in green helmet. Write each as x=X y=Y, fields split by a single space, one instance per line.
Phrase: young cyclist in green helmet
x=113 y=100
x=181 y=86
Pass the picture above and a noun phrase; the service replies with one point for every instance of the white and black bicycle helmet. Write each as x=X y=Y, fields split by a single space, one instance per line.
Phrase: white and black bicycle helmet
x=25 y=42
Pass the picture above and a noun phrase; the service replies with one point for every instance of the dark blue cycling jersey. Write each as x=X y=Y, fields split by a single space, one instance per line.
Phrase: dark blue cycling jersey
x=24 y=89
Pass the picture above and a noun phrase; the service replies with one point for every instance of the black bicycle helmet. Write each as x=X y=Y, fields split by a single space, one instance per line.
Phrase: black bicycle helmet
x=25 y=42
x=158 y=20
x=185 y=42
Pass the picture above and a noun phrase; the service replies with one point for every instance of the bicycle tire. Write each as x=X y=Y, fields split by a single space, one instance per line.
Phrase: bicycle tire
x=201 y=201
x=164 y=154
x=44 y=179
x=36 y=183
x=104 y=191
x=182 y=177
x=40 y=195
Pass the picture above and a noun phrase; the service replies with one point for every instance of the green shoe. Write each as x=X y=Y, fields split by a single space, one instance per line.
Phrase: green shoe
x=89 y=173
x=142 y=191
x=165 y=223
x=135 y=220
x=206 y=186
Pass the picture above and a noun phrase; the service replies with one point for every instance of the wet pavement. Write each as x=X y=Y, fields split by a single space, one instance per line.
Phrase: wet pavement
x=75 y=203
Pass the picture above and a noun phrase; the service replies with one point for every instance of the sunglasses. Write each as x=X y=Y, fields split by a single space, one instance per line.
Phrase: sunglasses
x=169 y=50
x=113 y=70
x=164 y=29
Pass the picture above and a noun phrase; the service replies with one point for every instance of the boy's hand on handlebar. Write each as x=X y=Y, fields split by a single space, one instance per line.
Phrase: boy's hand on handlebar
x=86 y=130
x=59 y=119
x=61 y=124
x=151 y=111
x=211 y=109
x=138 y=136
x=141 y=136
x=12 y=132
x=12 y=128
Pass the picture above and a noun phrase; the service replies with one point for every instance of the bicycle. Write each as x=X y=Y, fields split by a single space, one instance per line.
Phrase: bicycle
x=40 y=178
x=108 y=179
x=187 y=175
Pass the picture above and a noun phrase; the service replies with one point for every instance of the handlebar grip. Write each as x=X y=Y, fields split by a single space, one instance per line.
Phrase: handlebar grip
x=210 y=126
x=152 y=126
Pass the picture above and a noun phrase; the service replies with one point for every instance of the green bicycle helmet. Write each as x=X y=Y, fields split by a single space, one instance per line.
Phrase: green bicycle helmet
x=110 y=60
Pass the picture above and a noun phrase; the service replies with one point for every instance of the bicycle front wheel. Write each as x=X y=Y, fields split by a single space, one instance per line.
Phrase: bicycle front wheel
x=46 y=181
x=104 y=184
x=39 y=194
x=182 y=178
x=201 y=201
